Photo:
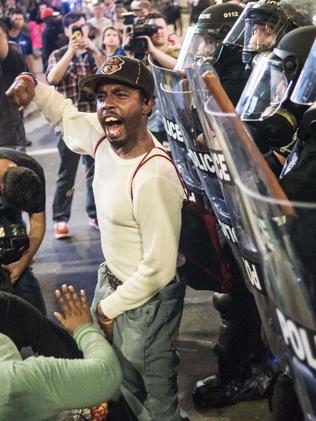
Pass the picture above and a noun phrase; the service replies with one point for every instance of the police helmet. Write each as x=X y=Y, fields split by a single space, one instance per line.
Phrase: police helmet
x=305 y=88
x=266 y=97
x=205 y=39
x=262 y=25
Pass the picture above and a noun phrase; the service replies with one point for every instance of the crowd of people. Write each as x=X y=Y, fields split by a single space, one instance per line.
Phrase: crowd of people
x=148 y=104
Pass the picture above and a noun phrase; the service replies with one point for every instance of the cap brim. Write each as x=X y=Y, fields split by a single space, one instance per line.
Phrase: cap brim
x=89 y=83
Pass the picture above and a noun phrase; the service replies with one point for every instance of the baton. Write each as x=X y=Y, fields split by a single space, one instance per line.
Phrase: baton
x=213 y=84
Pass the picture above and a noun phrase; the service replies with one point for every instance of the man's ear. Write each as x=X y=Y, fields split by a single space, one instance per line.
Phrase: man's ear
x=148 y=105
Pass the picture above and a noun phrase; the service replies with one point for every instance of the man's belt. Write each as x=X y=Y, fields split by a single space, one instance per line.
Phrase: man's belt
x=112 y=280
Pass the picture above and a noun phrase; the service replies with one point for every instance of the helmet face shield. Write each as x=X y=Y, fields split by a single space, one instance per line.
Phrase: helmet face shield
x=201 y=44
x=186 y=55
x=204 y=45
x=259 y=36
x=236 y=35
x=265 y=91
x=305 y=88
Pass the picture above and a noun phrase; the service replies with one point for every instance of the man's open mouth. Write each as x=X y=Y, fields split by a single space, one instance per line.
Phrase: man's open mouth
x=113 y=126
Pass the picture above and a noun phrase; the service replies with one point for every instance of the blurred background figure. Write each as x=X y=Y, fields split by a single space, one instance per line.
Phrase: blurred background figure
x=119 y=22
x=172 y=14
x=12 y=132
x=17 y=34
x=98 y=22
x=110 y=10
x=9 y=7
x=36 y=27
x=196 y=7
x=52 y=33
x=141 y=8
x=60 y=6
x=112 y=43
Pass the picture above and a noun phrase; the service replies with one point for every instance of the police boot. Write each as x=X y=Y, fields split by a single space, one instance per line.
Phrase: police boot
x=236 y=380
x=215 y=391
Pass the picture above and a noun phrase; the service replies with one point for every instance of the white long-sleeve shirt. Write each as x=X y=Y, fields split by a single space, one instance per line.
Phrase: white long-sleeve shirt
x=139 y=238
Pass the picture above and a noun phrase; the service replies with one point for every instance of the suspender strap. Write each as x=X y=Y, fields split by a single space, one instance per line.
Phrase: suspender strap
x=97 y=145
x=146 y=159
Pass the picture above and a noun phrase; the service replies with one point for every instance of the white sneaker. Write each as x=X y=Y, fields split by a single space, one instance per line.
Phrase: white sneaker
x=61 y=230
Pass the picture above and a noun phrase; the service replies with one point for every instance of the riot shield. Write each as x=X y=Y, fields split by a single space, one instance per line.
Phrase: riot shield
x=179 y=97
x=247 y=252
x=290 y=271
x=224 y=177
x=167 y=78
x=200 y=150
x=284 y=233
x=305 y=88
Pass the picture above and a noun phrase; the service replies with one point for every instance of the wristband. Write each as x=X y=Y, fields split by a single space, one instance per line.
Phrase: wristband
x=27 y=76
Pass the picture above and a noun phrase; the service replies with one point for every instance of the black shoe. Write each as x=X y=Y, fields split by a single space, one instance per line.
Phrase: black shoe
x=213 y=391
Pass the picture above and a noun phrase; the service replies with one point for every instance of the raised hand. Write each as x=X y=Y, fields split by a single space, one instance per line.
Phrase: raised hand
x=74 y=45
x=75 y=308
x=21 y=92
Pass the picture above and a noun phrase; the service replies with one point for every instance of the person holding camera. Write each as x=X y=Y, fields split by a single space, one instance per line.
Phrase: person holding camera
x=22 y=188
x=165 y=55
x=159 y=48
x=65 y=67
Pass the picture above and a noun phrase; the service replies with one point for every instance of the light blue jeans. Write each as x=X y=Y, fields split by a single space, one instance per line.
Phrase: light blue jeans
x=144 y=340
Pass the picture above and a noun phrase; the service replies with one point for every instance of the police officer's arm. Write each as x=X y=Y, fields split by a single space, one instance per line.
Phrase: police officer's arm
x=36 y=235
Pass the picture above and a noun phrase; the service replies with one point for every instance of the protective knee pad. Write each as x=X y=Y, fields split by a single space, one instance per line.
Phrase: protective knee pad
x=225 y=305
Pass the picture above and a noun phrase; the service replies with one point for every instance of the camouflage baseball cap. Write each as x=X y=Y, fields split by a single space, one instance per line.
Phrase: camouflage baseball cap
x=128 y=71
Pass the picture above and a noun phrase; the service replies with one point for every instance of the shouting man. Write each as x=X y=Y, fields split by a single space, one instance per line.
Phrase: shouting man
x=139 y=199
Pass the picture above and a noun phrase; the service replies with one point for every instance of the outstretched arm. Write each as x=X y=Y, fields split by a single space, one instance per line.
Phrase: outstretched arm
x=81 y=131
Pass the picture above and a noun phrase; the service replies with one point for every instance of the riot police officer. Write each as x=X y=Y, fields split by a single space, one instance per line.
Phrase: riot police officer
x=287 y=120
x=262 y=25
x=239 y=341
x=204 y=44
x=265 y=103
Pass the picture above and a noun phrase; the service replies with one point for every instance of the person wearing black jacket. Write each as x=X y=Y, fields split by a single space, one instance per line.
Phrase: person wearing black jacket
x=12 y=132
